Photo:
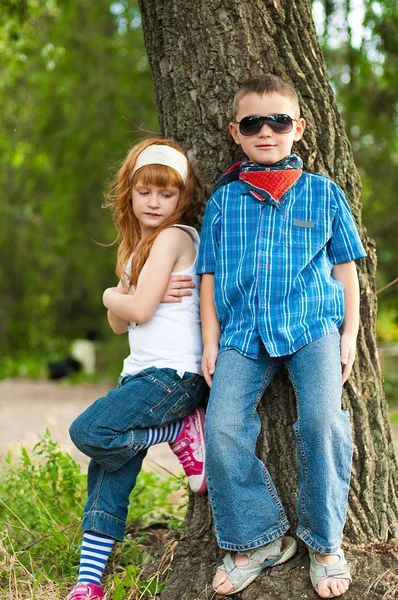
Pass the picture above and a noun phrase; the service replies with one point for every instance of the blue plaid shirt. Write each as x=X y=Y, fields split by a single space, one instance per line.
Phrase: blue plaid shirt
x=272 y=264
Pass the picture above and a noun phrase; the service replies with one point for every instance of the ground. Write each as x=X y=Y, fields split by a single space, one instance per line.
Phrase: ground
x=28 y=407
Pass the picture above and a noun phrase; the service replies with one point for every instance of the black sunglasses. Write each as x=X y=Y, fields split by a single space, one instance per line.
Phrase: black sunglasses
x=278 y=123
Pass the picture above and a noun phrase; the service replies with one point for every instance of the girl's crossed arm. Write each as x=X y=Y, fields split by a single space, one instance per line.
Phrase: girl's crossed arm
x=153 y=280
x=117 y=324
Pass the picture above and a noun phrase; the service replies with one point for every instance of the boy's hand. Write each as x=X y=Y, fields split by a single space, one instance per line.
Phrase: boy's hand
x=209 y=359
x=179 y=285
x=347 y=353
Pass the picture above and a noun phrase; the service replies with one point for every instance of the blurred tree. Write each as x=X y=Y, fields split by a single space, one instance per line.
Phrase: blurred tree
x=70 y=111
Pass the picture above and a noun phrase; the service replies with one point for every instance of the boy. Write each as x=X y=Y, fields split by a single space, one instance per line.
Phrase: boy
x=279 y=280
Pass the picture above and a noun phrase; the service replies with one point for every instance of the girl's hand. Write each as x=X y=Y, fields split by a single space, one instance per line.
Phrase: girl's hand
x=347 y=353
x=209 y=359
x=178 y=286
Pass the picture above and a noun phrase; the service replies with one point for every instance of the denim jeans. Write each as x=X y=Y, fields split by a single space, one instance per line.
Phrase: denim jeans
x=112 y=430
x=246 y=508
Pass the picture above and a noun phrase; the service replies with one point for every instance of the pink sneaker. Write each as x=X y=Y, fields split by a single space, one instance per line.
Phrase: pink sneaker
x=189 y=448
x=86 y=591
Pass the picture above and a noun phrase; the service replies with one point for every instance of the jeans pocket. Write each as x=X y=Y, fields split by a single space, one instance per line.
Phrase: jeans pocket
x=161 y=377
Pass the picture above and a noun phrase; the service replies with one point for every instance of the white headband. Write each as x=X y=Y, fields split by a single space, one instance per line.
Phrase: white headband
x=162 y=155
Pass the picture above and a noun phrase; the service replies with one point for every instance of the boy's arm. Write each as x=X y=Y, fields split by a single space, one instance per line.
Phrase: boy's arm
x=207 y=263
x=210 y=327
x=346 y=273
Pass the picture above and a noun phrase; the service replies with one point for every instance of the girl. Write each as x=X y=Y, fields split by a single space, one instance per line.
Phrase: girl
x=161 y=383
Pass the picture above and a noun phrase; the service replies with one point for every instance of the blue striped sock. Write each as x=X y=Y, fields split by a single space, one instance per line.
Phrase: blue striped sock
x=167 y=433
x=96 y=549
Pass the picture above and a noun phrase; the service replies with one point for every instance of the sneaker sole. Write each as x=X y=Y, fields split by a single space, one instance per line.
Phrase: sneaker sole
x=201 y=423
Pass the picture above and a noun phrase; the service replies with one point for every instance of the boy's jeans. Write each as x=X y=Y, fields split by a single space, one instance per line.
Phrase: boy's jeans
x=112 y=430
x=246 y=508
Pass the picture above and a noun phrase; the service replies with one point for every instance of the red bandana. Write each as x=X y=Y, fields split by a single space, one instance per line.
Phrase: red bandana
x=275 y=183
x=264 y=182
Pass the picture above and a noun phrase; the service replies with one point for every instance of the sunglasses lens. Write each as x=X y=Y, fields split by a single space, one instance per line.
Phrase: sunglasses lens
x=278 y=123
x=251 y=125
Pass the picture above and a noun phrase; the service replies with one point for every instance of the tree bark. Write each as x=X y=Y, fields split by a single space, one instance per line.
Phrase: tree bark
x=199 y=54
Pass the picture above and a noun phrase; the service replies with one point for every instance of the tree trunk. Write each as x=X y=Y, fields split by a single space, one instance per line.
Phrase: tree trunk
x=199 y=53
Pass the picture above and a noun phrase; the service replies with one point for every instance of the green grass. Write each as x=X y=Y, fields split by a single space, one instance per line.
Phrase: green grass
x=41 y=504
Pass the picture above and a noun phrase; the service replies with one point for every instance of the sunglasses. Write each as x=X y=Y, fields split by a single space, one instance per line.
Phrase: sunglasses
x=253 y=125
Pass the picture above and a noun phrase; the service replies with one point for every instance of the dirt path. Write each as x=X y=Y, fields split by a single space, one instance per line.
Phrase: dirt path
x=27 y=408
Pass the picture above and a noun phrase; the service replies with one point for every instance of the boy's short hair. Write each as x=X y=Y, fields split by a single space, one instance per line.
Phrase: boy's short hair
x=266 y=84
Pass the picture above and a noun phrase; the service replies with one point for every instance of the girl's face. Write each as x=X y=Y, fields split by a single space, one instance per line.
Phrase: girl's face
x=152 y=205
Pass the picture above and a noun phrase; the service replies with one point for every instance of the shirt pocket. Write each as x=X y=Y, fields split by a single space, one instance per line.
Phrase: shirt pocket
x=308 y=233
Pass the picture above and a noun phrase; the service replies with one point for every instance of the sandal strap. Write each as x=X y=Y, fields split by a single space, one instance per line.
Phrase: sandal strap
x=260 y=555
x=319 y=571
x=228 y=562
x=256 y=558
x=241 y=577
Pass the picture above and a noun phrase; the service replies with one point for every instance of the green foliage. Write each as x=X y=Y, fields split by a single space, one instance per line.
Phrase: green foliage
x=78 y=101
x=15 y=18
x=41 y=505
x=41 y=502
x=391 y=388
x=387 y=324
x=75 y=89
x=361 y=51
x=130 y=581
x=394 y=419
x=162 y=499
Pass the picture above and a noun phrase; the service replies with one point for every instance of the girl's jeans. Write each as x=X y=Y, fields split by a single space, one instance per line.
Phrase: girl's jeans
x=246 y=508
x=112 y=430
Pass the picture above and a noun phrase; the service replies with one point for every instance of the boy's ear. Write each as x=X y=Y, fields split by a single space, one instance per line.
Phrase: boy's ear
x=234 y=131
x=300 y=126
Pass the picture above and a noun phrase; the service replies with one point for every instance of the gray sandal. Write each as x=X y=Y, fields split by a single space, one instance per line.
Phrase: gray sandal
x=274 y=553
x=319 y=571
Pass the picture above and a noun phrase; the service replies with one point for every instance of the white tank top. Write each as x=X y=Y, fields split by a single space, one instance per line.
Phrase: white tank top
x=172 y=337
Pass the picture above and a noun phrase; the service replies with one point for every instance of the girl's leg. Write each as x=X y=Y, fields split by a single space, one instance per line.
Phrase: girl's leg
x=114 y=432
x=115 y=428
x=95 y=552
x=246 y=508
x=108 y=496
x=104 y=520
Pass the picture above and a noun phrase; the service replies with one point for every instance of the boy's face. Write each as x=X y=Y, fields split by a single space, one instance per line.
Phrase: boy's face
x=266 y=147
